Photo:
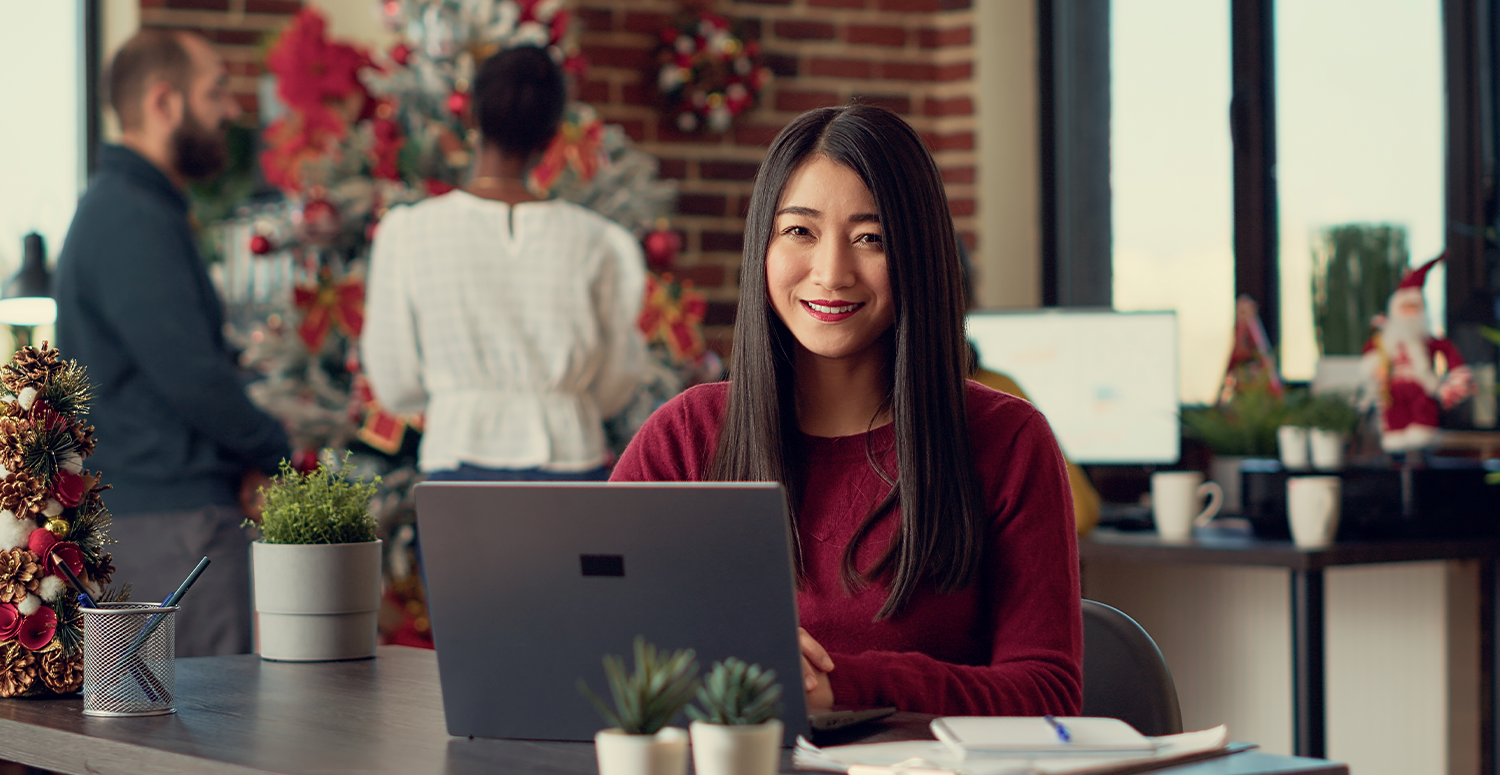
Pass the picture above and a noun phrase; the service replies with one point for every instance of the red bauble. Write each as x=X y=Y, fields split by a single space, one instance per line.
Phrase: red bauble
x=458 y=102
x=400 y=54
x=320 y=223
x=661 y=249
x=260 y=245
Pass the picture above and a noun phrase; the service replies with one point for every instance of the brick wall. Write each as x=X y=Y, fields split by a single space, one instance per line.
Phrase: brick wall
x=237 y=28
x=913 y=56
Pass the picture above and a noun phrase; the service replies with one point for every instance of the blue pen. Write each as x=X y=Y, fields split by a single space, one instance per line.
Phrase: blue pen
x=1062 y=731
x=172 y=599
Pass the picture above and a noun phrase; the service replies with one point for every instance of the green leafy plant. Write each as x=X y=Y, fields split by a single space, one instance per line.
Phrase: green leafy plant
x=324 y=506
x=1328 y=411
x=647 y=699
x=1356 y=266
x=1245 y=425
x=737 y=693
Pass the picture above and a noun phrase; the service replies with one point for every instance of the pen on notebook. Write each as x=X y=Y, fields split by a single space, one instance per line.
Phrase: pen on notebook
x=1062 y=731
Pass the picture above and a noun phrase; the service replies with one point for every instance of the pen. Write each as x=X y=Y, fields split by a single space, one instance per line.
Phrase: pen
x=172 y=599
x=1062 y=731
x=83 y=594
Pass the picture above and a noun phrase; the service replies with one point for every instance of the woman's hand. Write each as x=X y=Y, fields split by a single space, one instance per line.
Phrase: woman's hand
x=816 y=665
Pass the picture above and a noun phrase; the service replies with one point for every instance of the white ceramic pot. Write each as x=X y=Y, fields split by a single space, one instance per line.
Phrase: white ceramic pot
x=664 y=753
x=316 y=602
x=1327 y=449
x=752 y=749
x=1291 y=441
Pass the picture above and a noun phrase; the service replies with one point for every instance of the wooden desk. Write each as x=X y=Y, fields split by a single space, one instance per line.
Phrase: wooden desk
x=1306 y=568
x=240 y=716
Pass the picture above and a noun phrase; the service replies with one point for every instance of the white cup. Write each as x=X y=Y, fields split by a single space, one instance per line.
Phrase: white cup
x=1291 y=440
x=1312 y=507
x=1177 y=503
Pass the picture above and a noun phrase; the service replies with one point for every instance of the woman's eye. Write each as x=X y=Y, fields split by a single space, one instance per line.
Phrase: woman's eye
x=868 y=238
x=796 y=231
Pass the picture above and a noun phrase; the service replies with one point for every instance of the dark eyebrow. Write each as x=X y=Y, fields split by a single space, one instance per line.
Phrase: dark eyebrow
x=809 y=212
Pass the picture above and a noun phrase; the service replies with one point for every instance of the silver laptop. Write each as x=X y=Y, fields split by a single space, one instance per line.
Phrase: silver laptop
x=529 y=585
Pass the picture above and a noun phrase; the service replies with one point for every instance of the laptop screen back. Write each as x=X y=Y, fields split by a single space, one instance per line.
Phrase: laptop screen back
x=530 y=585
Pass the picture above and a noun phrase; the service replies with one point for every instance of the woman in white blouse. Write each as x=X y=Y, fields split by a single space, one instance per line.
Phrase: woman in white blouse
x=508 y=320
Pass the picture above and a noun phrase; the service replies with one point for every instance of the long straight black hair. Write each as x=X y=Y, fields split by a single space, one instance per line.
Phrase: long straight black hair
x=939 y=539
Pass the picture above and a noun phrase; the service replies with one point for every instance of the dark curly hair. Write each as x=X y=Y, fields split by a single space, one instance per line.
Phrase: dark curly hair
x=519 y=96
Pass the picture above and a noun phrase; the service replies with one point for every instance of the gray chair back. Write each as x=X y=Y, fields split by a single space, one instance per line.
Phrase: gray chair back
x=1124 y=674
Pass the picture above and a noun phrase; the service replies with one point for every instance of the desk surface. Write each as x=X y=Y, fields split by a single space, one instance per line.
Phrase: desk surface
x=239 y=715
x=1209 y=549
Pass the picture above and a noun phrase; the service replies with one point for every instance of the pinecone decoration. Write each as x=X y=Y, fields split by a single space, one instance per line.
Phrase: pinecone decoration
x=15 y=436
x=59 y=672
x=22 y=494
x=83 y=436
x=19 y=574
x=31 y=368
x=18 y=669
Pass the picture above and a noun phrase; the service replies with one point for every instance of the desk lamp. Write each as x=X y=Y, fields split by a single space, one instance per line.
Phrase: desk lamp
x=26 y=300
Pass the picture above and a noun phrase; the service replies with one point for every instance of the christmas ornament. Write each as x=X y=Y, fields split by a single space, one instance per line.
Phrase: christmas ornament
x=261 y=245
x=661 y=247
x=458 y=102
x=320 y=223
x=400 y=54
x=673 y=317
x=330 y=303
x=1410 y=372
x=58 y=527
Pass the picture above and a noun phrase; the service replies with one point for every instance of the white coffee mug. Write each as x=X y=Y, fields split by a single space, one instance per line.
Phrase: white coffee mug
x=1177 y=503
x=1312 y=507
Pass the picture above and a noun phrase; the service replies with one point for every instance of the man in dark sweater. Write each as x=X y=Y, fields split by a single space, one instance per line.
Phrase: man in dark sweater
x=182 y=445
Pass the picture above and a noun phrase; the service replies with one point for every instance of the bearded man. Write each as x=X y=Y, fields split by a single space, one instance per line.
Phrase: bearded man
x=1411 y=370
x=180 y=442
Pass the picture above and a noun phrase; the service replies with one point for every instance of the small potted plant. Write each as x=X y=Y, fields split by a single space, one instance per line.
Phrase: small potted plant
x=316 y=567
x=735 y=730
x=638 y=740
x=1330 y=418
x=1241 y=428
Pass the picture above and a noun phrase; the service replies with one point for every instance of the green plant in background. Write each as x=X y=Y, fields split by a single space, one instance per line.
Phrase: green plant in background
x=324 y=506
x=1244 y=425
x=1327 y=411
x=647 y=699
x=737 y=693
x=1356 y=267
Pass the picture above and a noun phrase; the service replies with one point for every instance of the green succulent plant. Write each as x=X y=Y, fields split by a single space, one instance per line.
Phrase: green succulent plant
x=325 y=506
x=1326 y=411
x=647 y=699
x=737 y=693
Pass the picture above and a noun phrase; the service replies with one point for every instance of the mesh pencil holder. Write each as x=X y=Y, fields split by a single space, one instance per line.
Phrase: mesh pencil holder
x=117 y=682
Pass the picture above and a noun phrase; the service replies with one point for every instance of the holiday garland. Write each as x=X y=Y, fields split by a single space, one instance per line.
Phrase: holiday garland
x=50 y=514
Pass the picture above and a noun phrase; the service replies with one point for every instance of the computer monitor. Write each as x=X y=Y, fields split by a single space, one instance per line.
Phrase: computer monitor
x=1106 y=381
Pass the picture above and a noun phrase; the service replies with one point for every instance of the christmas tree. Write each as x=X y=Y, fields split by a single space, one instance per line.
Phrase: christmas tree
x=52 y=523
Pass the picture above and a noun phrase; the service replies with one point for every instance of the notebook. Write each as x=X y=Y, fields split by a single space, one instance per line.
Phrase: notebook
x=530 y=584
x=1027 y=736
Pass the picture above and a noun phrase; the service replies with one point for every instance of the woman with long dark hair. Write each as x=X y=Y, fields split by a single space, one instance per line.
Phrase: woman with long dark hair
x=937 y=560
x=510 y=321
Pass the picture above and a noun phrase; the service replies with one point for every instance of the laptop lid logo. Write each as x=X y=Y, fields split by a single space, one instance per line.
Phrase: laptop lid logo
x=602 y=564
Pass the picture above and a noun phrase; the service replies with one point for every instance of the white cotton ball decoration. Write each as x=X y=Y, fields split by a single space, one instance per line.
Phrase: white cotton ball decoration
x=53 y=508
x=29 y=606
x=14 y=533
x=50 y=588
x=27 y=396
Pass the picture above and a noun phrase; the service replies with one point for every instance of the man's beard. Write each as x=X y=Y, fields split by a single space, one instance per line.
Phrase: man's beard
x=200 y=152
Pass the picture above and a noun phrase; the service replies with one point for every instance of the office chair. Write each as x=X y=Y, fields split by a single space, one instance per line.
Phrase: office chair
x=1124 y=674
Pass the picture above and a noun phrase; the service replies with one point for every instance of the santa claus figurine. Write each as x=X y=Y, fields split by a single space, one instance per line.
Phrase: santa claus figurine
x=1412 y=371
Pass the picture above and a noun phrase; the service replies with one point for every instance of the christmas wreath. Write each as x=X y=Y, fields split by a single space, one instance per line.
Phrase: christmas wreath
x=51 y=516
x=708 y=72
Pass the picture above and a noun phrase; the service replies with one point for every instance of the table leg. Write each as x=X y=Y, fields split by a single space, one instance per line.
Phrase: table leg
x=1489 y=658
x=1309 y=727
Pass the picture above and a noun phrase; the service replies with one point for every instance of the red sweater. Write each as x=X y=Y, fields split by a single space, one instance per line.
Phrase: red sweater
x=1012 y=644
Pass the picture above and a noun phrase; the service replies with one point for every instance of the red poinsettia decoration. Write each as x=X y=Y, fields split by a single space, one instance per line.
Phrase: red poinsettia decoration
x=327 y=304
x=37 y=629
x=10 y=621
x=69 y=488
x=579 y=146
x=673 y=315
x=44 y=544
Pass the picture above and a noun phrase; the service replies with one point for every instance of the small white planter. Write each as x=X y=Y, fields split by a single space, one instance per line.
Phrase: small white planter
x=1327 y=449
x=664 y=753
x=1225 y=469
x=316 y=602
x=753 y=749
x=1291 y=441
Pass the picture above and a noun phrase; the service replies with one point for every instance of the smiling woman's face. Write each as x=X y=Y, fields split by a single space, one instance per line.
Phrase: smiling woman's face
x=826 y=264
